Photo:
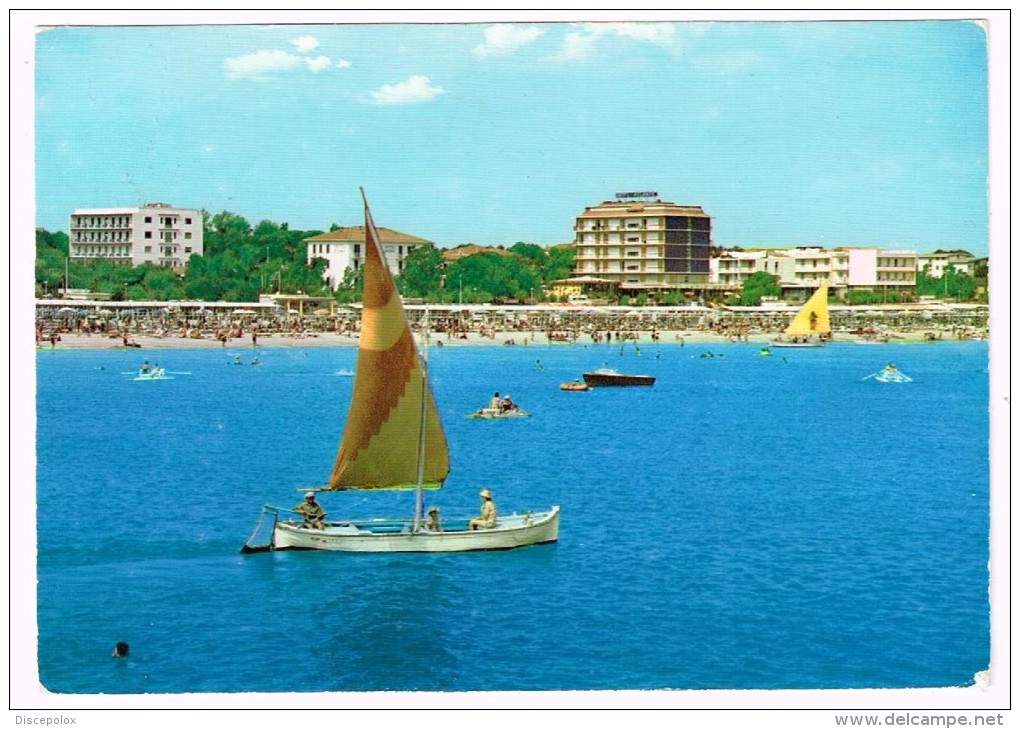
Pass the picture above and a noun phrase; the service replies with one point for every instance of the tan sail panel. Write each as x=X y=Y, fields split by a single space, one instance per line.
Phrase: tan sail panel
x=379 y=448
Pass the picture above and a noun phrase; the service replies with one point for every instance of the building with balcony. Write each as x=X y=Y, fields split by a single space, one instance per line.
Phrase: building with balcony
x=801 y=270
x=155 y=233
x=881 y=270
x=733 y=268
x=643 y=243
x=343 y=249
x=938 y=261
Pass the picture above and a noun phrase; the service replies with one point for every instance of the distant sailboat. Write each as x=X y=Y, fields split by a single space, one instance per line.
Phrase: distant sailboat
x=810 y=327
x=393 y=439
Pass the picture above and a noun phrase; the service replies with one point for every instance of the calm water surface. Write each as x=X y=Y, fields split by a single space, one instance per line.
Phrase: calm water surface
x=748 y=522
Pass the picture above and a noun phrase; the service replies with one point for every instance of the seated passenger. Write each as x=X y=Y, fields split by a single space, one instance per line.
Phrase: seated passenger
x=488 y=518
x=311 y=511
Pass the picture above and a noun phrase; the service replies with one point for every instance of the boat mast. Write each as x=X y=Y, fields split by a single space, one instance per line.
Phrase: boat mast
x=419 y=487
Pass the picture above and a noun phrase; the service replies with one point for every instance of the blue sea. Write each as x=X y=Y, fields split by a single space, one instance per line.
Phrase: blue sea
x=748 y=522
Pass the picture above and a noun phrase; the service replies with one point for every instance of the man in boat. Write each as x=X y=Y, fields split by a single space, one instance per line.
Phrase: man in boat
x=145 y=367
x=432 y=523
x=488 y=518
x=494 y=402
x=311 y=511
x=507 y=404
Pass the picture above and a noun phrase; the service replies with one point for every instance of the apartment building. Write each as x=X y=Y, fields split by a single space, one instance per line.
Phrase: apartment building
x=344 y=248
x=938 y=261
x=155 y=233
x=874 y=268
x=800 y=270
x=643 y=243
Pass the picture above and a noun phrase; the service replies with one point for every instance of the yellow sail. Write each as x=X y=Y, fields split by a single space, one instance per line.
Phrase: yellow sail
x=383 y=444
x=813 y=318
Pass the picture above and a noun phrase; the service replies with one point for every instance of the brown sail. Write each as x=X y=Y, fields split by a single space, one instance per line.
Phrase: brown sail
x=393 y=435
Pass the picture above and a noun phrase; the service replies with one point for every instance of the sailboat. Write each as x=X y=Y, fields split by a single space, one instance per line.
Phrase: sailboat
x=393 y=439
x=810 y=326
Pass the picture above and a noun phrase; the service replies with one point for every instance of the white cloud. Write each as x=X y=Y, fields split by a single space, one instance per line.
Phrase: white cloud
x=411 y=91
x=258 y=66
x=577 y=47
x=659 y=33
x=504 y=39
x=581 y=45
x=317 y=64
x=306 y=43
x=262 y=65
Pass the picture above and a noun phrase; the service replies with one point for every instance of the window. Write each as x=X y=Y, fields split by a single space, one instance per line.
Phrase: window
x=148 y=218
x=187 y=221
x=187 y=236
x=148 y=234
x=148 y=249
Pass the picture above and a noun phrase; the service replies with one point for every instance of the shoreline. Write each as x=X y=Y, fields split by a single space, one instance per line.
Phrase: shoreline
x=329 y=339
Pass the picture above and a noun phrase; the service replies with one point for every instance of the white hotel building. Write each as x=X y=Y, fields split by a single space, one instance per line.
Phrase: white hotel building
x=155 y=233
x=344 y=248
x=801 y=270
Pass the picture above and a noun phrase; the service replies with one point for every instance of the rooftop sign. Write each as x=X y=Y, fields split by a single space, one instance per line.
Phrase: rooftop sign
x=631 y=195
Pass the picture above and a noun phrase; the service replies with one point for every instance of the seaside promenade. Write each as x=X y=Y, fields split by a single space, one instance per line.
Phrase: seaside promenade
x=159 y=326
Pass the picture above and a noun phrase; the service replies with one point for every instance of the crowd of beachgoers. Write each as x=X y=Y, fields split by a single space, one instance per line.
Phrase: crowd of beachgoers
x=165 y=328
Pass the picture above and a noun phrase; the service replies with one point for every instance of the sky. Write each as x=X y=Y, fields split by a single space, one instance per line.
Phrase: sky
x=786 y=132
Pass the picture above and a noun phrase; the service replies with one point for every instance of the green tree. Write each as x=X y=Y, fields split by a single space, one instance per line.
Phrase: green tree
x=161 y=284
x=423 y=273
x=530 y=251
x=351 y=286
x=491 y=276
x=559 y=263
x=757 y=285
x=952 y=284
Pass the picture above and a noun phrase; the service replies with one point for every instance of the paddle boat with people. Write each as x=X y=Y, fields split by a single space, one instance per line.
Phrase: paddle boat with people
x=499 y=407
x=890 y=373
x=155 y=372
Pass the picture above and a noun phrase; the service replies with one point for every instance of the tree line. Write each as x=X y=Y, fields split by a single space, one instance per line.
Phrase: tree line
x=239 y=262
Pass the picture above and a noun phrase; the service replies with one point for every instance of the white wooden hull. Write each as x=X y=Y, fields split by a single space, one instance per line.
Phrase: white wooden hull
x=395 y=535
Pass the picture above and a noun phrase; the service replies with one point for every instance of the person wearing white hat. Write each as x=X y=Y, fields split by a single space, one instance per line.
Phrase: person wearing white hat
x=488 y=518
x=311 y=511
x=432 y=524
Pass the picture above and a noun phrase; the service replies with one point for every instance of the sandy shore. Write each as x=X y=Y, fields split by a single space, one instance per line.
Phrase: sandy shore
x=326 y=339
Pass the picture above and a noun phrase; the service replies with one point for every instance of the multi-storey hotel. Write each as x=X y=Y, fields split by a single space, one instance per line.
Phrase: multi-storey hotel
x=344 y=248
x=641 y=243
x=155 y=233
x=801 y=270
